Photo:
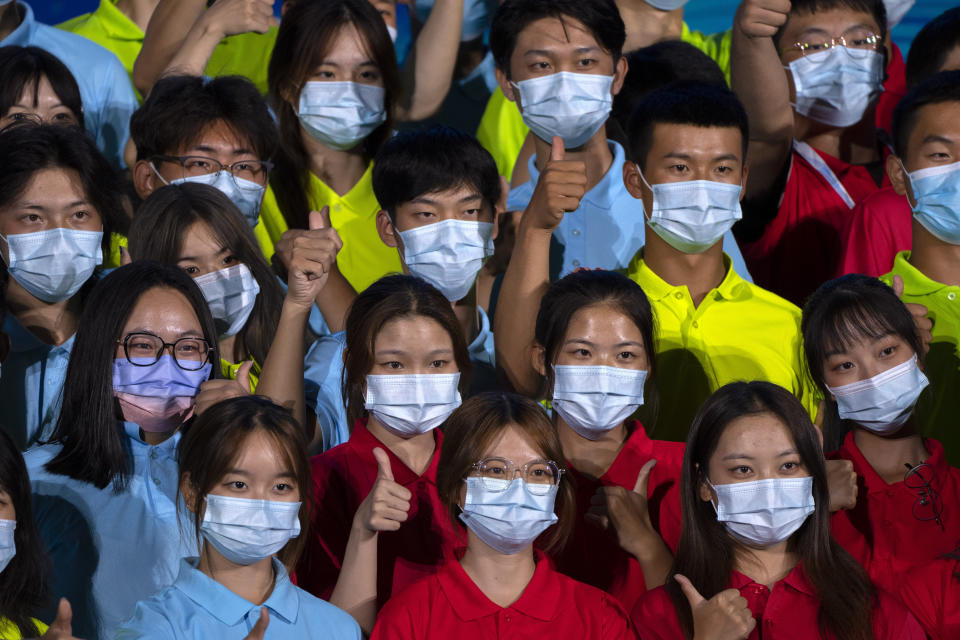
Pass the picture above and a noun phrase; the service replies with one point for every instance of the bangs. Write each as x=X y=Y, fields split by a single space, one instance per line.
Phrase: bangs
x=856 y=323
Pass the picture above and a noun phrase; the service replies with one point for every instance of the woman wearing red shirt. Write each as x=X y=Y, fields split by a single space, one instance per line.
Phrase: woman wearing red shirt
x=756 y=559
x=501 y=474
x=863 y=353
x=594 y=351
x=932 y=593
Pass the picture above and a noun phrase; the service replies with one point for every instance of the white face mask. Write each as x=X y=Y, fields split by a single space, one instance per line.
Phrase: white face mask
x=411 y=404
x=762 y=513
x=448 y=254
x=245 y=194
x=510 y=520
x=247 y=531
x=8 y=547
x=52 y=265
x=341 y=114
x=693 y=215
x=896 y=9
x=666 y=5
x=594 y=399
x=573 y=106
x=883 y=403
x=836 y=86
x=230 y=294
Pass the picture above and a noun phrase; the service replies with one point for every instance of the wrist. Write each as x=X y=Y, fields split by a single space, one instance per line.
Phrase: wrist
x=294 y=307
x=208 y=29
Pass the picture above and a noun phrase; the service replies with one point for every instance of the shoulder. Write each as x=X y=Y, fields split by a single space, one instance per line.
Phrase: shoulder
x=79 y=48
x=654 y=615
x=337 y=622
x=892 y=620
x=150 y=619
x=37 y=456
x=408 y=609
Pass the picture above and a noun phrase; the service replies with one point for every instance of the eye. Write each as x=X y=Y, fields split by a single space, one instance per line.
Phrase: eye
x=844 y=366
x=790 y=466
x=230 y=260
x=586 y=62
x=581 y=352
x=371 y=76
x=678 y=168
x=886 y=352
x=284 y=487
x=31 y=217
x=82 y=215
x=741 y=470
x=472 y=212
x=540 y=66
x=62 y=117
x=723 y=169
x=191 y=271
x=328 y=75
x=425 y=214
x=239 y=485
x=438 y=364
x=393 y=364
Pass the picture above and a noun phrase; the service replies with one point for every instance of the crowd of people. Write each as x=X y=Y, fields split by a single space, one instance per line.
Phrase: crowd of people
x=410 y=319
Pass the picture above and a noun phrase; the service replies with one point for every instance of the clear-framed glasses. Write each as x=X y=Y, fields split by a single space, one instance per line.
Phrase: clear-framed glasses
x=928 y=505
x=194 y=166
x=496 y=474
x=856 y=41
x=145 y=349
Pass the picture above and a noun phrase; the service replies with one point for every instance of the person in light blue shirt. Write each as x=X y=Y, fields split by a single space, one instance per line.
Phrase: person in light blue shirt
x=142 y=350
x=105 y=89
x=244 y=472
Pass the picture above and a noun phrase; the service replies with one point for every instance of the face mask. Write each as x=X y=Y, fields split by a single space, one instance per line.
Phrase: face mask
x=510 y=520
x=341 y=114
x=247 y=531
x=8 y=547
x=411 y=404
x=937 y=192
x=230 y=294
x=393 y=33
x=159 y=397
x=477 y=16
x=593 y=400
x=896 y=9
x=571 y=105
x=666 y=5
x=883 y=403
x=692 y=216
x=245 y=194
x=448 y=254
x=763 y=513
x=52 y=265
x=836 y=86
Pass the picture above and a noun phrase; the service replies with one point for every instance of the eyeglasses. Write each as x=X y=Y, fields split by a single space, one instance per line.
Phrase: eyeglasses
x=856 y=41
x=194 y=166
x=29 y=117
x=496 y=474
x=145 y=349
x=928 y=505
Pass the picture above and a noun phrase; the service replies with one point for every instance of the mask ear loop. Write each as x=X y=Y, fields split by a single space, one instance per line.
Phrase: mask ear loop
x=647 y=215
x=715 y=492
x=906 y=174
x=157 y=173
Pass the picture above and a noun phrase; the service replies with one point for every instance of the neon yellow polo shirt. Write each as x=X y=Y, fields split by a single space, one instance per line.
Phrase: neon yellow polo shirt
x=502 y=131
x=9 y=631
x=739 y=332
x=938 y=411
x=229 y=371
x=364 y=258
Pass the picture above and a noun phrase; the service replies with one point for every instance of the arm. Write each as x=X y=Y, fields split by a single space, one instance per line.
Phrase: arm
x=170 y=22
x=428 y=72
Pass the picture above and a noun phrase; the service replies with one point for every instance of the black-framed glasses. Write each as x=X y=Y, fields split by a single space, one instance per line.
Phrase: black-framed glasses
x=928 y=505
x=497 y=473
x=255 y=171
x=856 y=40
x=145 y=349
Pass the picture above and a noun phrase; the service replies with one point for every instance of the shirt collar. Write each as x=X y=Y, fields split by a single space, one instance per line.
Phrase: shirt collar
x=228 y=607
x=22 y=339
x=360 y=198
x=937 y=461
x=132 y=429
x=362 y=439
x=914 y=281
x=115 y=23
x=797 y=579
x=730 y=288
x=23 y=35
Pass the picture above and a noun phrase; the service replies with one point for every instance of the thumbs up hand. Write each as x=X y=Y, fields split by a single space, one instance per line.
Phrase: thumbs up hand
x=725 y=616
x=561 y=186
x=213 y=391
x=624 y=512
x=921 y=320
x=312 y=255
x=386 y=506
x=61 y=628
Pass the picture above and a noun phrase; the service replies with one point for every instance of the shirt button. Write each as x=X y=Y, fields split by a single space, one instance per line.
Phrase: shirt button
x=153 y=454
x=678 y=295
x=951 y=296
x=696 y=325
x=337 y=207
x=576 y=263
x=576 y=232
x=156 y=481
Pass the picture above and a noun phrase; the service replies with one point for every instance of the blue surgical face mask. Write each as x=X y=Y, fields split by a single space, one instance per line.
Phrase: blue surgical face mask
x=231 y=294
x=896 y=9
x=245 y=531
x=883 y=403
x=8 y=547
x=573 y=106
x=508 y=520
x=667 y=5
x=245 y=194
x=448 y=254
x=836 y=86
x=341 y=114
x=762 y=513
x=477 y=16
x=52 y=265
x=937 y=192
x=593 y=399
x=412 y=404
x=157 y=397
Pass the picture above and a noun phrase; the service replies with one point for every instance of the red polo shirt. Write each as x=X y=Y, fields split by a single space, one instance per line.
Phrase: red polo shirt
x=343 y=476
x=787 y=612
x=449 y=604
x=880 y=227
x=881 y=532
x=932 y=593
x=894 y=89
x=592 y=555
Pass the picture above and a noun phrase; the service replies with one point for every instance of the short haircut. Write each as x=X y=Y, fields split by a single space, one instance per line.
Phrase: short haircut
x=932 y=44
x=416 y=163
x=180 y=108
x=940 y=87
x=696 y=104
x=23 y=67
x=600 y=17
x=875 y=8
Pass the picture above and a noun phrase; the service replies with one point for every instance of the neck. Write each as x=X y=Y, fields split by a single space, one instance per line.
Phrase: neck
x=888 y=455
x=9 y=19
x=339 y=170
x=595 y=153
x=139 y=11
x=502 y=578
x=934 y=258
x=856 y=144
x=765 y=566
x=647 y=25
x=53 y=323
x=253 y=582
x=153 y=438
x=466 y=312
x=699 y=272
x=593 y=458
x=415 y=452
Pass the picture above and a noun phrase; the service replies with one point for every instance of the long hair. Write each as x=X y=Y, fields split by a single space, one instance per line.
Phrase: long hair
x=94 y=447
x=303 y=41
x=22 y=69
x=706 y=553
x=158 y=232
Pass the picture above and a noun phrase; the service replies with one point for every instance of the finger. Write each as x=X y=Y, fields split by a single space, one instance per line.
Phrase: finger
x=383 y=464
x=260 y=628
x=392 y=515
x=644 y=477
x=243 y=375
x=125 y=257
x=320 y=219
x=557 y=150
x=898 y=286
x=387 y=502
x=398 y=491
x=693 y=596
x=601 y=521
x=62 y=623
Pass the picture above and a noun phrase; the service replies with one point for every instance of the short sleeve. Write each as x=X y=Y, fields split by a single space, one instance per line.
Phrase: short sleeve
x=616 y=623
x=924 y=590
x=655 y=618
x=147 y=623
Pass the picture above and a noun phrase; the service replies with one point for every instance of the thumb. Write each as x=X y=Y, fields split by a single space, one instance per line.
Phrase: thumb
x=557 y=150
x=261 y=627
x=383 y=464
x=62 y=623
x=693 y=596
x=320 y=219
x=644 y=477
x=243 y=374
x=898 y=286
x=125 y=257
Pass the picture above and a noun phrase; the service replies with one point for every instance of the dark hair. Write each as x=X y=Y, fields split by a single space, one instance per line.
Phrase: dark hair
x=23 y=585
x=416 y=163
x=180 y=108
x=474 y=426
x=158 y=232
x=306 y=33
x=93 y=445
x=600 y=17
x=706 y=552
x=930 y=47
x=392 y=298
x=686 y=103
x=940 y=87
x=24 y=67
x=840 y=313
x=215 y=441
x=874 y=8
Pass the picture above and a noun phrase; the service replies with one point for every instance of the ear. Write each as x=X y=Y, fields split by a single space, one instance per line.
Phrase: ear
x=898 y=178
x=188 y=492
x=388 y=234
x=706 y=493
x=538 y=359
x=632 y=181
x=500 y=207
x=145 y=179
x=620 y=70
x=506 y=86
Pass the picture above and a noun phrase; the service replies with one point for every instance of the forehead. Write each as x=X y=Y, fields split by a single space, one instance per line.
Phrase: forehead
x=200 y=237
x=941 y=120
x=348 y=47
x=164 y=308
x=603 y=320
x=218 y=135
x=554 y=35
x=829 y=21
x=514 y=444
x=412 y=334
x=450 y=197
x=756 y=435
x=259 y=452
x=690 y=139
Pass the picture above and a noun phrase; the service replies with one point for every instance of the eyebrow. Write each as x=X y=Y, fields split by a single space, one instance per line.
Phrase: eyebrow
x=208 y=149
x=743 y=456
x=626 y=343
x=937 y=138
x=882 y=336
x=365 y=63
x=431 y=201
x=241 y=472
x=727 y=156
x=194 y=258
x=36 y=205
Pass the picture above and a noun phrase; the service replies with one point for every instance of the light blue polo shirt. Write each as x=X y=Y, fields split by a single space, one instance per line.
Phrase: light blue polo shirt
x=197 y=606
x=608 y=228
x=105 y=89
